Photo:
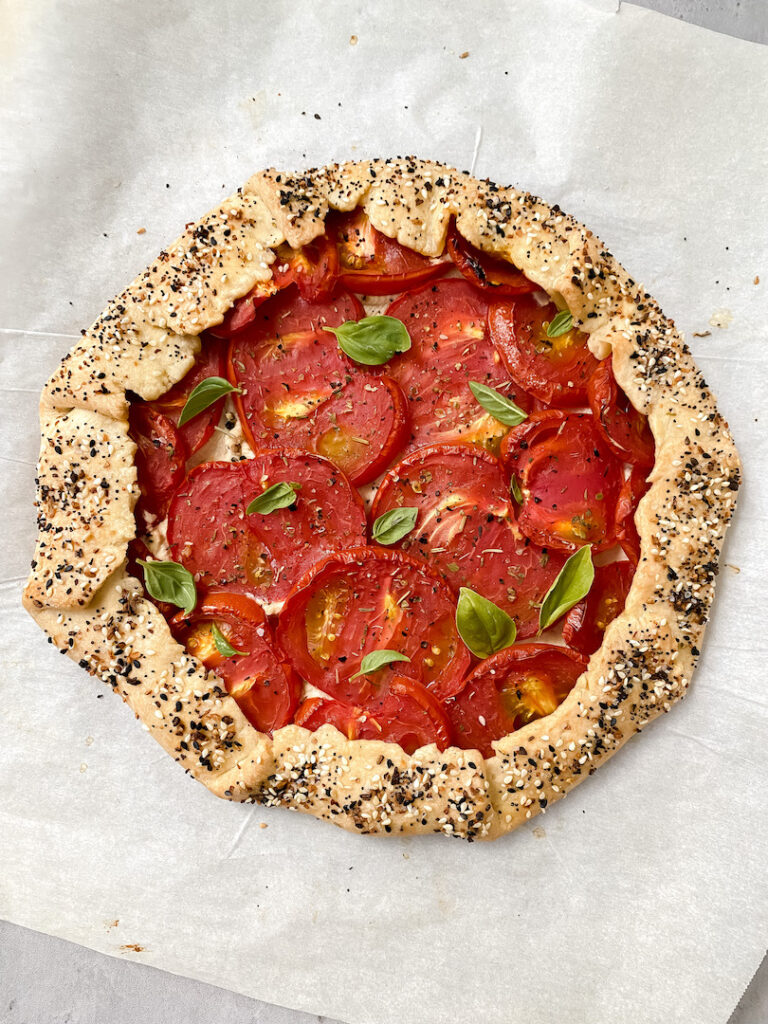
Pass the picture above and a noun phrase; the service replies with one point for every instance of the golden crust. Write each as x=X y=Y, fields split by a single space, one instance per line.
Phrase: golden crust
x=96 y=613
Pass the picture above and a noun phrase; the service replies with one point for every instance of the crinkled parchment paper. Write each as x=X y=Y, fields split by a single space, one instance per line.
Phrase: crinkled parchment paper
x=642 y=897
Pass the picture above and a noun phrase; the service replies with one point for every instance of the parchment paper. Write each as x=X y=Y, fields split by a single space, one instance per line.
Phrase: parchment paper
x=642 y=897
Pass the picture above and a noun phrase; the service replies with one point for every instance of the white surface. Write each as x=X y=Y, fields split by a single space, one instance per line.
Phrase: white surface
x=666 y=875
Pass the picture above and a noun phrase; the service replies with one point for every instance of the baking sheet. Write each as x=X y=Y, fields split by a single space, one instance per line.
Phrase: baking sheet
x=640 y=898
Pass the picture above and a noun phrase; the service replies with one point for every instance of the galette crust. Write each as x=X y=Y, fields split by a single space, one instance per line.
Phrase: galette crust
x=145 y=341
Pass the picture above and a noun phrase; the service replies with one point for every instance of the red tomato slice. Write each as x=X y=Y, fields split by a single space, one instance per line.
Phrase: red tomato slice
x=493 y=275
x=210 y=533
x=569 y=478
x=555 y=370
x=369 y=599
x=374 y=264
x=211 y=362
x=160 y=459
x=408 y=714
x=511 y=689
x=466 y=528
x=447 y=322
x=265 y=687
x=585 y=623
x=632 y=490
x=624 y=428
x=314 y=269
x=299 y=389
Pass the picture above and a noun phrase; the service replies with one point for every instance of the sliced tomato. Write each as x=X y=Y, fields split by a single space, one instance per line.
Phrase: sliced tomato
x=585 y=623
x=299 y=389
x=264 y=686
x=211 y=534
x=371 y=263
x=570 y=480
x=211 y=362
x=466 y=528
x=314 y=269
x=555 y=370
x=624 y=428
x=493 y=275
x=408 y=714
x=365 y=600
x=632 y=490
x=511 y=689
x=447 y=323
x=160 y=459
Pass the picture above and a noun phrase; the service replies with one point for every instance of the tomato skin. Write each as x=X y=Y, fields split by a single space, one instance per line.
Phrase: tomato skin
x=371 y=263
x=161 y=456
x=365 y=599
x=585 y=623
x=554 y=370
x=569 y=477
x=211 y=535
x=299 y=389
x=408 y=715
x=447 y=321
x=314 y=269
x=467 y=530
x=511 y=689
x=624 y=428
x=632 y=490
x=264 y=686
x=211 y=362
x=491 y=274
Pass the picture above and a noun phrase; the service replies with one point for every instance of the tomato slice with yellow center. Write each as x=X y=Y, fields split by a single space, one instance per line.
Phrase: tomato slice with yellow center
x=369 y=599
x=467 y=530
x=570 y=480
x=553 y=369
x=511 y=689
x=256 y=675
x=298 y=389
x=447 y=324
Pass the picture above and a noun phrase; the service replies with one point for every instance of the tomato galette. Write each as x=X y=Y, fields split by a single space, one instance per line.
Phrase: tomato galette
x=384 y=494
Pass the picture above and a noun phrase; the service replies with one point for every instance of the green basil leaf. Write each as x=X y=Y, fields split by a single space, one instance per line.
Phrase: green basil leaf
x=483 y=626
x=170 y=582
x=514 y=487
x=281 y=495
x=502 y=409
x=372 y=340
x=561 y=323
x=223 y=646
x=206 y=393
x=394 y=525
x=572 y=584
x=378 y=659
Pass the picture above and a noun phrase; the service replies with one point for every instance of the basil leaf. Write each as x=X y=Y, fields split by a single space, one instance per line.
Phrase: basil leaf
x=395 y=524
x=372 y=340
x=514 y=487
x=170 y=582
x=223 y=646
x=281 y=495
x=502 y=409
x=206 y=393
x=482 y=625
x=560 y=324
x=378 y=659
x=572 y=584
